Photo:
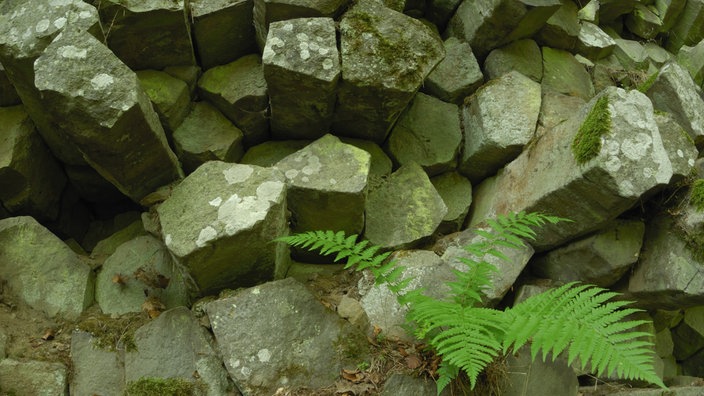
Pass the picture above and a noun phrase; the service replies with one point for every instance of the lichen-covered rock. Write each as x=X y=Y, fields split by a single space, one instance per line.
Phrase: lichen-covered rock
x=301 y=67
x=669 y=11
x=456 y=192
x=31 y=181
x=692 y=59
x=380 y=165
x=169 y=95
x=593 y=42
x=148 y=34
x=404 y=210
x=222 y=30
x=688 y=29
x=631 y=54
x=401 y=51
x=220 y=223
x=278 y=335
x=644 y=22
x=556 y=108
x=33 y=377
x=679 y=146
x=561 y=29
x=564 y=74
x=455 y=77
x=272 y=151
x=522 y=56
x=207 y=135
x=427 y=133
x=238 y=89
x=499 y=120
x=327 y=186
x=42 y=271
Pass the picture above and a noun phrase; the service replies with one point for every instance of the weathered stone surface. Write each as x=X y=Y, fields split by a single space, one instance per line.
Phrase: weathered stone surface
x=528 y=377
x=439 y=12
x=222 y=30
x=148 y=35
x=499 y=120
x=657 y=56
x=601 y=259
x=630 y=163
x=8 y=93
x=643 y=22
x=31 y=181
x=561 y=29
x=270 y=152
x=404 y=210
x=169 y=95
x=409 y=385
x=207 y=135
x=427 y=133
x=674 y=92
x=593 y=42
x=380 y=165
x=351 y=310
x=589 y=12
x=301 y=67
x=689 y=27
x=679 y=146
x=106 y=247
x=692 y=59
x=33 y=378
x=456 y=192
x=99 y=230
x=98 y=102
x=631 y=54
x=402 y=50
x=564 y=74
x=220 y=221
x=187 y=74
x=175 y=345
x=327 y=186
x=669 y=11
x=42 y=271
x=3 y=344
x=455 y=77
x=688 y=336
x=94 y=370
x=309 y=347
x=556 y=108
x=609 y=10
x=490 y=24
x=523 y=56
x=26 y=29
x=238 y=89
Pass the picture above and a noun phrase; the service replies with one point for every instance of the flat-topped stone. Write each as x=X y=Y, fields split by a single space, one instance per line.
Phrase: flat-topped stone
x=455 y=77
x=564 y=74
x=593 y=42
x=169 y=95
x=456 y=192
x=522 y=56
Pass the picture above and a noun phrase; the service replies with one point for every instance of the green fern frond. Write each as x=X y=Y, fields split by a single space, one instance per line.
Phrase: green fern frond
x=446 y=373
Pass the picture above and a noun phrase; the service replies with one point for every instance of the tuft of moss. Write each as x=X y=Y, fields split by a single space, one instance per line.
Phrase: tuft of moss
x=114 y=334
x=587 y=143
x=696 y=194
x=149 y=386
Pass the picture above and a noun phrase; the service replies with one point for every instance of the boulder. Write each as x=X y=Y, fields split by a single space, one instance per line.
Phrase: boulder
x=106 y=247
x=380 y=165
x=679 y=146
x=238 y=89
x=669 y=11
x=169 y=95
x=644 y=22
x=456 y=192
x=207 y=135
x=692 y=59
x=95 y=370
x=564 y=74
x=657 y=55
x=270 y=152
x=42 y=271
x=561 y=29
x=688 y=29
x=33 y=378
x=538 y=377
x=327 y=186
x=439 y=12
x=427 y=133
x=499 y=120
x=556 y=108
x=220 y=223
x=403 y=51
x=610 y=10
x=98 y=102
x=31 y=180
x=631 y=54
x=594 y=43
x=589 y=181
x=187 y=74
x=522 y=56
x=404 y=210
x=222 y=30
x=148 y=35
x=455 y=77
x=301 y=67
x=310 y=346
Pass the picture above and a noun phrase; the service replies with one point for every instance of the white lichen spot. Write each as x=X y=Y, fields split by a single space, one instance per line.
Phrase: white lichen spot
x=238 y=213
x=690 y=162
x=60 y=23
x=323 y=51
x=291 y=173
x=42 y=26
x=215 y=202
x=270 y=190
x=246 y=371
x=288 y=27
x=101 y=81
x=206 y=235
x=648 y=173
x=168 y=239
x=256 y=291
x=85 y=14
x=333 y=182
x=634 y=149
x=680 y=153
x=305 y=179
x=264 y=355
x=237 y=174
x=73 y=52
x=302 y=37
x=314 y=46
x=612 y=164
x=327 y=64
x=313 y=165
x=276 y=42
x=303 y=46
x=59 y=3
x=305 y=54
x=626 y=188
x=234 y=363
x=268 y=53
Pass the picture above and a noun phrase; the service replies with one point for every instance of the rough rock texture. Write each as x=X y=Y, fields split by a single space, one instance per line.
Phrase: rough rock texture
x=644 y=22
x=381 y=164
x=523 y=56
x=31 y=181
x=222 y=30
x=561 y=29
x=99 y=103
x=499 y=120
x=456 y=192
x=688 y=29
x=564 y=74
x=148 y=34
x=269 y=153
x=42 y=271
x=455 y=77
x=95 y=370
x=679 y=146
x=528 y=377
x=33 y=378
x=692 y=59
x=309 y=347
x=402 y=51
x=238 y=89
x=593 y=42
x=216 y=211
x=427 y=133
x=169 y=95
x=631 y=54
x=404 y=210
x=327 y=186
x=629 y=163
x=301 y=67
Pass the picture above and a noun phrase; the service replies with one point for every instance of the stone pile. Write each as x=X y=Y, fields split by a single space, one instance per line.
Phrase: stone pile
x=152 y=152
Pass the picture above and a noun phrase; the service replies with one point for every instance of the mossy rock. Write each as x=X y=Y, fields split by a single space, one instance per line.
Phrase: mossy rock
x=587 y=143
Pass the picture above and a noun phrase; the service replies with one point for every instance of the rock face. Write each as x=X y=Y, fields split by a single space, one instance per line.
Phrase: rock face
x=301 y=67
x=169 y=95
x=403 y=52
x=41 y=270
x=33 y=377
x=260 y=360
x=455 y=77
x=220 y=221
x=100 y=105
x=94 y=369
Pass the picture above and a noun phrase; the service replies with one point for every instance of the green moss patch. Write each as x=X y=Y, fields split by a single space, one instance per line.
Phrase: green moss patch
x=696 y=194
x=148 y=386
x=114 y=333
x=587 y=144
x=645 y=85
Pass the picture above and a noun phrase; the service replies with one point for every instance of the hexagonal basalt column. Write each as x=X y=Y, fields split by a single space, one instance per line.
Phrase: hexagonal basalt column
x=301 y=68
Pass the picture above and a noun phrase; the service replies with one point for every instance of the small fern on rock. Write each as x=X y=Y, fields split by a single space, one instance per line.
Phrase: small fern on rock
x=582 y=320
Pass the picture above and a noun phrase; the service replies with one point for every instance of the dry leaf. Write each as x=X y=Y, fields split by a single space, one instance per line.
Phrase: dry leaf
x=48 y=335
x=153 y=307
x=119 y=279
x=354 y=376
x=413 y=361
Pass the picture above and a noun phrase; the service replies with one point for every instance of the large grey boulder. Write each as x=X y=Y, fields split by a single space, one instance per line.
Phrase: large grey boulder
x=630 y=54
x=688 y=29
x=556 y=108
x=327 y=186
x=43 y=271
x=692 y=59
x=220 y=223
x=669 y=11
x=98 y=102
x=403 y=52
x=169 y=95
x=133 y=34
x=278 y=335
x=561 y=29
x=499 y=120
x=456 y=192
x=609 y=10
x=455 y=77
x=427 y=133
x=522 y=56
x=679 y=146
x=593 y=42
x=626 y=163
x=562 y=73
x=31 y=180
x=222 y=30
x=404 y=210
x=272 y=151
x=238 y=89
x=95 y=370
x=33 y=378
x=644 y=22
x=301 y=67
x=538 y=377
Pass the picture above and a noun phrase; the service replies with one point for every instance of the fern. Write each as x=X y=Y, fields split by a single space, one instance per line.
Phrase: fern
x=580 y=319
